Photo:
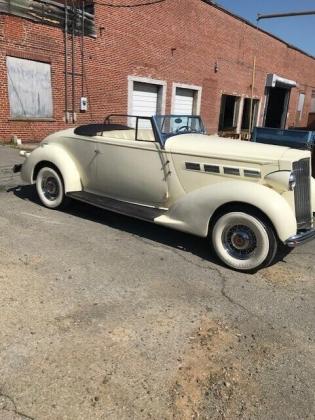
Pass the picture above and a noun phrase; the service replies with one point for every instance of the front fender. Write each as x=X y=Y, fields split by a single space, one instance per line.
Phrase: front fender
x=57 y=155
x=192 y=213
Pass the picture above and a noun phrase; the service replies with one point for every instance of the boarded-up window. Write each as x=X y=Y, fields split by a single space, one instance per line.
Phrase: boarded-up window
x=29 y=85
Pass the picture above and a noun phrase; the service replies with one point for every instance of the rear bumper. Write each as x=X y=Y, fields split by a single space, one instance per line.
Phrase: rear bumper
x=300 y=238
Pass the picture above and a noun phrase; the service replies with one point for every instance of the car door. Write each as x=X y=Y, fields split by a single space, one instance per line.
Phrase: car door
x=131 y=170
x=83 y=150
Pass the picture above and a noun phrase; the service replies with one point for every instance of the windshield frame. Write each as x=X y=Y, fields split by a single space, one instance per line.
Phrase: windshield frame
x=159 y=136
x=164 y=136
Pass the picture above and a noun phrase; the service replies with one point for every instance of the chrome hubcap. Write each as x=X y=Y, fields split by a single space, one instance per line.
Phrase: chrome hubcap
x=240 y=241
x=50 y=188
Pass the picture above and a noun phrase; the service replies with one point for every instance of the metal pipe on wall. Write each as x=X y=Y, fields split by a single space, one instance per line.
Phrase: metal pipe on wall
x=281 y=15
x=66 y=60
x=73 y=60
x=252 y=98
x=82 y=49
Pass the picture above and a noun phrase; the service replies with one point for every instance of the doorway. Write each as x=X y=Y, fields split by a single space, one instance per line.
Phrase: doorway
x=277 y=107
x=229 y=111
x=247 y=112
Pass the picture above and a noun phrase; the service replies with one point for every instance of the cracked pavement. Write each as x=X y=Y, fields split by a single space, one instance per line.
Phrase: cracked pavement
x=107 y=317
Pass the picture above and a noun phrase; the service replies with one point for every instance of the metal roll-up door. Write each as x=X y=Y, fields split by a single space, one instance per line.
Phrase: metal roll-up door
x=144 y=99
x=184 y=101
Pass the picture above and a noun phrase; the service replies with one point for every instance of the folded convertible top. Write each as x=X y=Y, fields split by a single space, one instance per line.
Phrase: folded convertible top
x=95 y=129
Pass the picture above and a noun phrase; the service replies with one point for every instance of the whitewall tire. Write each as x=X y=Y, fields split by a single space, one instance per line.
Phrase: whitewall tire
x=243 y=241
x=50 y=188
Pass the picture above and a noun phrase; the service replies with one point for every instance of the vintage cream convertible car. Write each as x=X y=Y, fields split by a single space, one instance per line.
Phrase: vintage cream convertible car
x=247 y=198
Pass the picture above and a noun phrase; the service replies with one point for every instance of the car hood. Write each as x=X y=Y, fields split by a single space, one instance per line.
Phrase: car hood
x=240 y=150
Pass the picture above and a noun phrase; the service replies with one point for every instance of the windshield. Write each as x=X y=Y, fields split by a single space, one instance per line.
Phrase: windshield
x=172 y=125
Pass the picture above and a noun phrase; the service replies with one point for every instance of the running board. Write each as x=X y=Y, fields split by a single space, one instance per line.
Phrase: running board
x=128 y=209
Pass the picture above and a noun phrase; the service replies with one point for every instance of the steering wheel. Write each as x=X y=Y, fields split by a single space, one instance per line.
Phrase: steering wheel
x=183 y=127
x=187 y=128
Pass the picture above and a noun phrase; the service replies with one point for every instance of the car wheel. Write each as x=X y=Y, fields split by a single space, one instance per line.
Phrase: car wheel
x=50 y=188
x=244 y=242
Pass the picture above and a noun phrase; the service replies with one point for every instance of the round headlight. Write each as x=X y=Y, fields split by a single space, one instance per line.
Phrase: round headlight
x=292 y=181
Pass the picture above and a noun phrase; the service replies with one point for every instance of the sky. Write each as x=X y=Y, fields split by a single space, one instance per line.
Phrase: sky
x=299 y=31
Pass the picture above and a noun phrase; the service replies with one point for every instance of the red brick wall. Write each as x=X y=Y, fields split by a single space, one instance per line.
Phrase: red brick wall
x=141 y=41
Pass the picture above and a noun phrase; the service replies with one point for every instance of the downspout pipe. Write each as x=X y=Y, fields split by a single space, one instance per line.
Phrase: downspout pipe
x=66 y=61
x=82 y=50
x=73 y=59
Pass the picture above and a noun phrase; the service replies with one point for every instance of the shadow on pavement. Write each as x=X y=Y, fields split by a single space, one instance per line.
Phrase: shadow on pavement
x=169 y=237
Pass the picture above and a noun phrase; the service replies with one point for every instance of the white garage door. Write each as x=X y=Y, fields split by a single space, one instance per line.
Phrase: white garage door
x=184 y=101
x=145 y=99
x=144 y=102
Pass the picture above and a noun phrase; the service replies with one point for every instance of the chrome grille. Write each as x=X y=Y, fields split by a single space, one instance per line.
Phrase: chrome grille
x=302 y=193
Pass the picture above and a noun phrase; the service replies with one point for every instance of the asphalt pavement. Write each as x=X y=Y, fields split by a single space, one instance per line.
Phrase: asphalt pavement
x=107 y=317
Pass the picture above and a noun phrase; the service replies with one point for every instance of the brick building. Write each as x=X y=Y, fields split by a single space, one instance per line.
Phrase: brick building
x=142 y=57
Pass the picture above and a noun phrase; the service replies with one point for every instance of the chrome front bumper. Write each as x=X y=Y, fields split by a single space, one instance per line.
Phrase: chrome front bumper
x=300 y=238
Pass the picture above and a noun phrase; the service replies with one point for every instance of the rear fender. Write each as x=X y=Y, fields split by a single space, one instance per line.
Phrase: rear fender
x=192 y=213
x=58 y=156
